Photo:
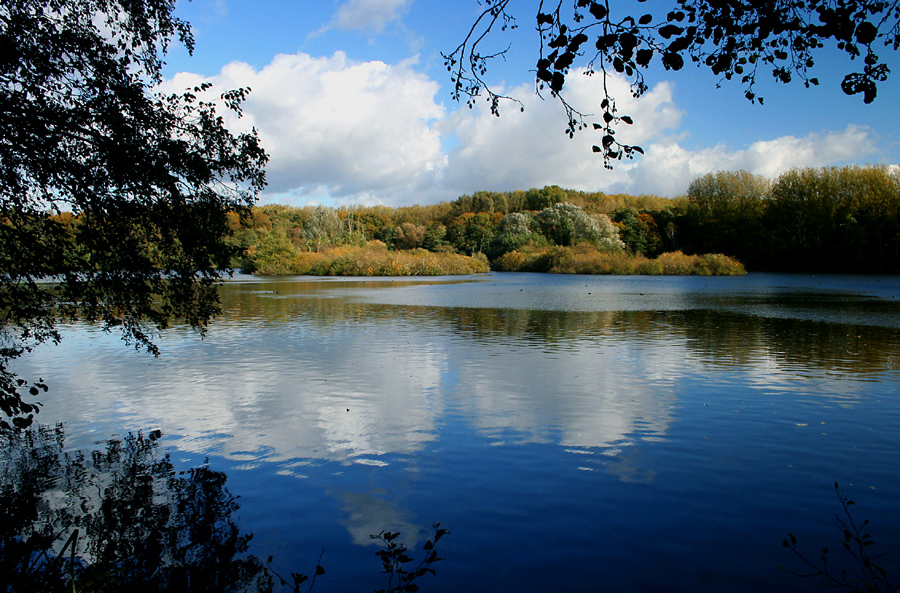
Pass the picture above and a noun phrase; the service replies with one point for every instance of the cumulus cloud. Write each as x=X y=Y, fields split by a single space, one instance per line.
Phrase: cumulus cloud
x=526 y=149
x=668 y=168
x=340 y=131
x=338 y=128
x=530 y=149
x=369 y=14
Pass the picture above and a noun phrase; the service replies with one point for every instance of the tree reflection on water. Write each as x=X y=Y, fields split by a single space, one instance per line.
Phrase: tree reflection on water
x=116 y=519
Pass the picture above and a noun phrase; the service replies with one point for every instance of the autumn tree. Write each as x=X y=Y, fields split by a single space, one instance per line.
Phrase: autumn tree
x=150 y=178
x=739 y=39
x=726 y=211
x=844 y=219
x=409 y=235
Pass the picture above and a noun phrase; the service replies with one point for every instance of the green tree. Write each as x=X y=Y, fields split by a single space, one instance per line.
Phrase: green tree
x=472 y=233
x=640 y=232
x=274 y=254
x=726 y=213
x=434 y=237
x=567 y=224
x=121 y=519
x=374 y=224
x=837 y=219
x=739 y=39
x=515 y=231
x=517 y=223
x=322 y=228
x=483 y=201
x=729 y=193
x=149 y=177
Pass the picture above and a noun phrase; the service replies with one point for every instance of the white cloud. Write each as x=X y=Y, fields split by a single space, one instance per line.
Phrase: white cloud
x=340 y=129
x=369 y=14
x=668 y=168
x=530 y=149
x=340 y=132
x=526 y=149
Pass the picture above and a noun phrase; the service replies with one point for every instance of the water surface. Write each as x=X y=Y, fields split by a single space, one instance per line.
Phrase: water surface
x=573 y=432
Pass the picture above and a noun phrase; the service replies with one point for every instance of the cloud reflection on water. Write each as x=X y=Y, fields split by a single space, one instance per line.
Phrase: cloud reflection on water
x=306 y=375
x=389 y=403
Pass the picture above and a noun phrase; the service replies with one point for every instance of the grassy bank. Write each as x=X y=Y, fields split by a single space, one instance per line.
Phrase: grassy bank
x=585 y=259
x=373 y=259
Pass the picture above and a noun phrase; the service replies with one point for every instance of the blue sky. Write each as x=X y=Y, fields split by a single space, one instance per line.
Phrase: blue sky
x=353 y=104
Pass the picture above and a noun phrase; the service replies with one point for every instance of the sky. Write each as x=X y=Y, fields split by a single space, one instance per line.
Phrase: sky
x=352 y=101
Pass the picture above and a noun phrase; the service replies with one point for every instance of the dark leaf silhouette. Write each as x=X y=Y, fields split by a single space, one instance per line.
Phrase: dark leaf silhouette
x=116 y=190
x=735 y=40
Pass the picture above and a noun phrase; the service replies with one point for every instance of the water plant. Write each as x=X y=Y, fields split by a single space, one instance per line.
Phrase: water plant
x=123 y=518
x=868 y=573
x=395 y=560
x=586 y=259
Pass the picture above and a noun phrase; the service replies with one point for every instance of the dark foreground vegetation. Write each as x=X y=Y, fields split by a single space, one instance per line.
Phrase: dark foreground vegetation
x=812 y=220
x=867 y=566
x=122 y=519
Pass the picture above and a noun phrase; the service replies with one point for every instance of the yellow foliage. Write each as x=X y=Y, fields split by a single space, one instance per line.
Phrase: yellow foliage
x=375 y=259
x=583 y=260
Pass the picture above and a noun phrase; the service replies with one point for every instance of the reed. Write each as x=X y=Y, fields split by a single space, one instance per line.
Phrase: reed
x=584 y=259
x=375 y=259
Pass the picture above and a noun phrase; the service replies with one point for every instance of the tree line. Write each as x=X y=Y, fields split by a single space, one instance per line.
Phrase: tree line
x=477 y=223
x=807 y=220
x=844 y=220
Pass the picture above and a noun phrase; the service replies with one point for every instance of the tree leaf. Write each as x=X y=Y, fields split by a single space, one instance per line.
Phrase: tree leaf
x=866 y=32
x=668 y=30
x=598 y=11
x=643 y=57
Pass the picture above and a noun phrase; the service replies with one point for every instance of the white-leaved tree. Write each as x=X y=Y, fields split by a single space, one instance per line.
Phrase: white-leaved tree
x=567 y=224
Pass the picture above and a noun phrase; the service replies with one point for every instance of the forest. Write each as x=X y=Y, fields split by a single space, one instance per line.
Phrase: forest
x=837 y=220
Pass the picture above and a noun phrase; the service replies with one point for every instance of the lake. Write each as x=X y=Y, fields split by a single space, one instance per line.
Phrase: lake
x=574 y=433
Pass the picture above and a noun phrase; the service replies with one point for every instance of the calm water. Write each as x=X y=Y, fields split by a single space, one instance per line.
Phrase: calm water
x=574 y=433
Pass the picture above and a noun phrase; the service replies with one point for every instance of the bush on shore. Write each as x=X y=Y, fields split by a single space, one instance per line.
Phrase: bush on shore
x=373 y=259
x=585 y=259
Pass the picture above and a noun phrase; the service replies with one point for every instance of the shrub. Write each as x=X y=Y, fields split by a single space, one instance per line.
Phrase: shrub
x=376 y=260
x=677 y=263
x=529 y=259
x=716 y=264
x=584 y=259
